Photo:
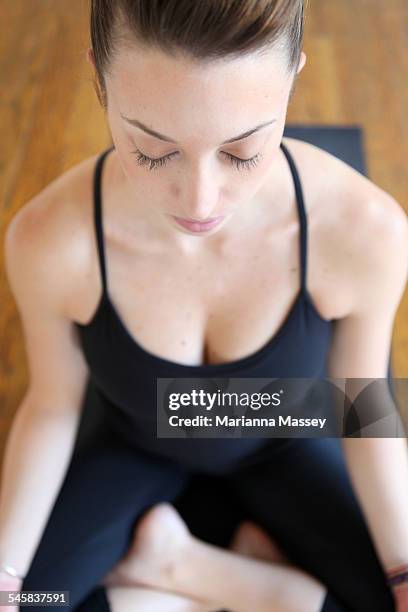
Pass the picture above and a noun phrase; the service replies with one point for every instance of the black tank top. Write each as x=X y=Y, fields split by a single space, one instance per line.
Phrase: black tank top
x=123 y=373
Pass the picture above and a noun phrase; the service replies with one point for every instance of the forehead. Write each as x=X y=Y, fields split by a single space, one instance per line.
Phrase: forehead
x=179 y=86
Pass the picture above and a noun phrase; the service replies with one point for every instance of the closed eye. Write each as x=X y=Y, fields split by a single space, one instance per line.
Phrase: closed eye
x=154 y=163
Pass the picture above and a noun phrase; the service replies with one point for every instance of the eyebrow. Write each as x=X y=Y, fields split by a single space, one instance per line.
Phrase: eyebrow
x=148 y=130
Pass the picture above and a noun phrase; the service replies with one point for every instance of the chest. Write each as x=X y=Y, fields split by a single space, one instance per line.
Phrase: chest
x=207 y=310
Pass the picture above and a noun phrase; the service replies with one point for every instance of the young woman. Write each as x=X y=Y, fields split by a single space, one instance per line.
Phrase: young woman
x=201 y=244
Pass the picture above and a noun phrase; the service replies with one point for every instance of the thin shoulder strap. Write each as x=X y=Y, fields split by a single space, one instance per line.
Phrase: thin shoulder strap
x=97 y=183
x=302 y=216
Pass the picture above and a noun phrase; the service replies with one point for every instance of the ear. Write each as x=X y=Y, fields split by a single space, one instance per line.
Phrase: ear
x=90 y=57
x=302 y=62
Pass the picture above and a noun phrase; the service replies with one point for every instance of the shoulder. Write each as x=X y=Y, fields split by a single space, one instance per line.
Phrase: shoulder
x=329 y=177
x=344 y=190
x=47 y=240
x=361 y=229
x=378 y=254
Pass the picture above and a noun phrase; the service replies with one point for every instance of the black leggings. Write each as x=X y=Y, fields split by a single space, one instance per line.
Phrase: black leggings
x=298 y=490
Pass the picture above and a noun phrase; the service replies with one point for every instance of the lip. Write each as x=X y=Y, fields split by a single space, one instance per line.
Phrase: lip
x=196 y=226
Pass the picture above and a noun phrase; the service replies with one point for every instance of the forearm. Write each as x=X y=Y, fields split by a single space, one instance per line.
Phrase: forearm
x=378 y=468
x=38 y=448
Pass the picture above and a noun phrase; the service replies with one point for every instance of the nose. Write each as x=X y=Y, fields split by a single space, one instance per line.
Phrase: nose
x=201 y=200
x=201 y=208
x=200 y=211
x=201 y=205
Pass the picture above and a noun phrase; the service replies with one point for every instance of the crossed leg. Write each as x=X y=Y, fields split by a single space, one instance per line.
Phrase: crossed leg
x=164 y=555
x=300 y=493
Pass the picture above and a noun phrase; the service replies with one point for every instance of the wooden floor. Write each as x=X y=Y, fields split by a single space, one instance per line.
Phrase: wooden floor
x=356 y=73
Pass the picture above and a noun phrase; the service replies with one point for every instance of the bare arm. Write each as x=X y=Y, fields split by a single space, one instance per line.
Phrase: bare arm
x=378 y=465
x=40 y=441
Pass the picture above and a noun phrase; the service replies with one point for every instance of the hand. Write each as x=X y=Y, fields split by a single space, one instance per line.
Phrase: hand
x=400 y=593
x=9 y=583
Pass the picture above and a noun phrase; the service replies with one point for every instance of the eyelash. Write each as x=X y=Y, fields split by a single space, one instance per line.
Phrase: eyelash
x=153 y=164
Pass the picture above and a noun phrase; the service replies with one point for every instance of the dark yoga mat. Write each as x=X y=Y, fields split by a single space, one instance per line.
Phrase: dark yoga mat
x=346 y=143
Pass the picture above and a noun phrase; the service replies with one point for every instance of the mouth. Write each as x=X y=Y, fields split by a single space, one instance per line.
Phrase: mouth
x=198 y=226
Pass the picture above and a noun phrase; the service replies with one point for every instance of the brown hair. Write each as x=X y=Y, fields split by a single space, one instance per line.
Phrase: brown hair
x=204 y=30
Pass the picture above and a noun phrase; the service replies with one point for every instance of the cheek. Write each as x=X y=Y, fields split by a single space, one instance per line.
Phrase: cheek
x=124 y=145
x=173 y=189
x=127 y=164
x=140 y=179
x=123 y=151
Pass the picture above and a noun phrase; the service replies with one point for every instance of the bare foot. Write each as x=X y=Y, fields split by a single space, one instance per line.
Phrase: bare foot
x=251 y=540
x=162 y=543
x=160 y=539
x=161 y=536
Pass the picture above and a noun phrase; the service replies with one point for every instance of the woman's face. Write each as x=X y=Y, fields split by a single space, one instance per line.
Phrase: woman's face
x=193 y=110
